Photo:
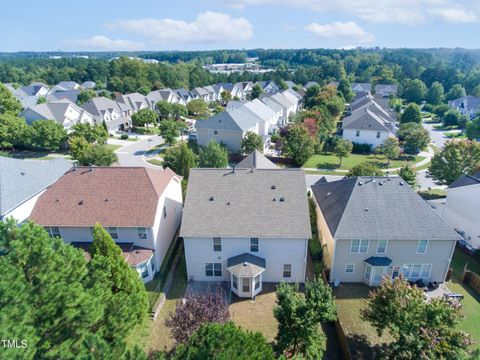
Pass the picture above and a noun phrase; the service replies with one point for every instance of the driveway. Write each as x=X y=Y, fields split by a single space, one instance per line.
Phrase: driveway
x=133 y=154
x=438 y=136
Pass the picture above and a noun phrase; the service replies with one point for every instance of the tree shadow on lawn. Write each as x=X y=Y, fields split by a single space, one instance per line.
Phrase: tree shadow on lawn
x=383 y=164
x=327 y=166
x=362 y=349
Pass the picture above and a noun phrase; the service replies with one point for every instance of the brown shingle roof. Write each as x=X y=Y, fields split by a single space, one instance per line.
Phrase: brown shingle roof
x=133 y=254
x=112 y=196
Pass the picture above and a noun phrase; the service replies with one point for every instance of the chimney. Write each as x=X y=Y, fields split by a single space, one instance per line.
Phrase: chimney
x=91 y=167
x=74 y=166
x=233 y=168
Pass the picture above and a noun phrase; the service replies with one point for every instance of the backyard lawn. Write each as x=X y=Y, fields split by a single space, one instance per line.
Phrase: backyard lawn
x=331 y=162
x=113 y=147
x=33 y=155
x=257 y=315
x=471 y=302
x=363 y=341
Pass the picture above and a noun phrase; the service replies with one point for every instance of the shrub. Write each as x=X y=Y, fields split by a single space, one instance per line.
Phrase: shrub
x=365 y=149
x=124 y=136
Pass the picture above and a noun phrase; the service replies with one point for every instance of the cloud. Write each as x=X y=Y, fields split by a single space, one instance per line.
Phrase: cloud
x=410 y=12
x=100 y=42
x=208 y=27
x=455 y=15
x=348 y=31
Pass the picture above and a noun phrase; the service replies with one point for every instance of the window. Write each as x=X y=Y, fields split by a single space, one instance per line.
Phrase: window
x=234 y=281
x=357 y=133
x=209 y=269
x=53 y=231
x=377 y=274
x=416 y=271
x=368 y=272
x=422 y=246
x=215 y=132
x=287 y=270
x=378 y=134
x=164 y=211
x=142 y=232
x=349 y=268
x=143 y=269
x=382 y=246
x=113 y=232
x=246 y=284
x=359 y=246
x=257 y=282
x=152 y=265
x=217 y=244
x=254 y=244
x=217 y=269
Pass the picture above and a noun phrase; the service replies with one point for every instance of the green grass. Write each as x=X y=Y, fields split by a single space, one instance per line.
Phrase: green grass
x=113 y=147
x=151 y=130
x=329 y=161
x=130 y=138
x=456 y=135
x=443 y=127
x=156 y=162
x=433 y=194
x=33 y=155
x=471 y=302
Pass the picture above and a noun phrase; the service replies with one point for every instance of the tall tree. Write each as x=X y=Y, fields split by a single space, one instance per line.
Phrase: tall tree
x=85 y=96
x=435 y=94
x=390 y=148
x=298 y=144
x=409 y=174
x=412 y=113
x=214 y=155
x=8 y=103
x=472 y=131
x=91 y=133
x=144 y=117
x=129 y=298
x=452 y=118
x=455 y=159
x=180 y=159
x=457 y=91
x=256 y=92
x=197 y=108
x=251 y=142
x=46 y=135
x=420 y=329
x=343 y=149
x=164 y=109
x=345 y=87
x=414 y=91
x=169 y=130
x=365 y=169
x=97 y=154
x=416 y=140
x=13 y=131
x=299 y=318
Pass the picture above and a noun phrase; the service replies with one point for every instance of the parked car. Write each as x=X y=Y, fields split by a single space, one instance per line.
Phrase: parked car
x=192 y=138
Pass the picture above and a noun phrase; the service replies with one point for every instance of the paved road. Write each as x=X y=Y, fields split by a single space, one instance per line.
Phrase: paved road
x=438 y=136
x=133 y=154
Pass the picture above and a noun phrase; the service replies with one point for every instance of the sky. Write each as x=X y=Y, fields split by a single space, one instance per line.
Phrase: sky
x=114 y=25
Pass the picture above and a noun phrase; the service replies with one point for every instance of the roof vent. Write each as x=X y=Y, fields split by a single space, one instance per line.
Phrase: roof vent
x=360 y=183
x=274 y=199
x=228 y=203
x=106 y=200
x=80 y=202
x=245 y=263
x=366 y=209
x=282 y=199
x=56 y=200
x=401 y=183
x=211 y=198
x=273 y=187
x=329 y=193
x=380 y=183
x=22 y=173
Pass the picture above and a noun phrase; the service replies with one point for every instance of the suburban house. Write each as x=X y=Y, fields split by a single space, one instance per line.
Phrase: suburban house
x=135 y=101
x=65 y=86
x=228 y=127
x=386 y=90
x=63 y=111
x=36 y=89
x=361 y=87
x=269 y=119
x=289 y=106
x=71 y=95
x=462 y=208
x=167 y=95
x=201 y=93
x=228 y=237
x=141 y=209
x=23 y=181
x=25 y=99
x=310 y=84
x=184 y=95
x=378 y=227
x=366 y=127
x=88 y=85
x=117 y=116
x=467 y=105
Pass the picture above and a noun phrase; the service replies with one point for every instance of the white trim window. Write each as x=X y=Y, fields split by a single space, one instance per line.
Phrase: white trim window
x=257 y=282
x=217 y=244
x=254 y=244
x=213 y=269
x=422 y=247
x=359 y=246
x=53 y=231
x=416 y=271
x=143 y=269
x=382 y=246
x=368 y=272
x=113 y=232
x=235 y=281
x=287 y=270
x=349 y=268
x=142 y=233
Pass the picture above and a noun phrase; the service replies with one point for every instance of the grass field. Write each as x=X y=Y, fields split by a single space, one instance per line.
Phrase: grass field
x=433 y=194
x=156 y=162
x=330 y=162
x=113 y=147
x=471 y=302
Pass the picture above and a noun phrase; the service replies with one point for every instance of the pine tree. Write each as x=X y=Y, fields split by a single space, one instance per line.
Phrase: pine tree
x=128 y=298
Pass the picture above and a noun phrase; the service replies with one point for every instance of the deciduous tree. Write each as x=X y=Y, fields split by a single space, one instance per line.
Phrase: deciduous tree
x=412 y=113
x=298 y=144
x=251 y=142
x=365 y=169
x=409 y=174
x=390 y=148
x=435 y=94
x=214 y=155
x=8 y=103
x=343 y=149
x=169 y=130
x=13 y=131
x=144 y=117
x=46 y=135
x=180 y=159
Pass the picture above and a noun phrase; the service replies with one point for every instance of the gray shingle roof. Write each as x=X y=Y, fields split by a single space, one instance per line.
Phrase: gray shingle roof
x=234 y=119
x=383 y=209
x=378 y=261
x=22 y=179
x=246 y=264
x=366 y=120
x=276 y=107
x=466 y=180
x=256 y=160
x=220 y=202
x=259 y=108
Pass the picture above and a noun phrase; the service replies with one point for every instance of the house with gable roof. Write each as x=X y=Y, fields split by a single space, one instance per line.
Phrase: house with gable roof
x=116 y=115
x=378 y=228
x=140 y=208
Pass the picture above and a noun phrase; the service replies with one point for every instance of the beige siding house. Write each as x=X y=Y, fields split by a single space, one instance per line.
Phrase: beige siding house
x=374 y=228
